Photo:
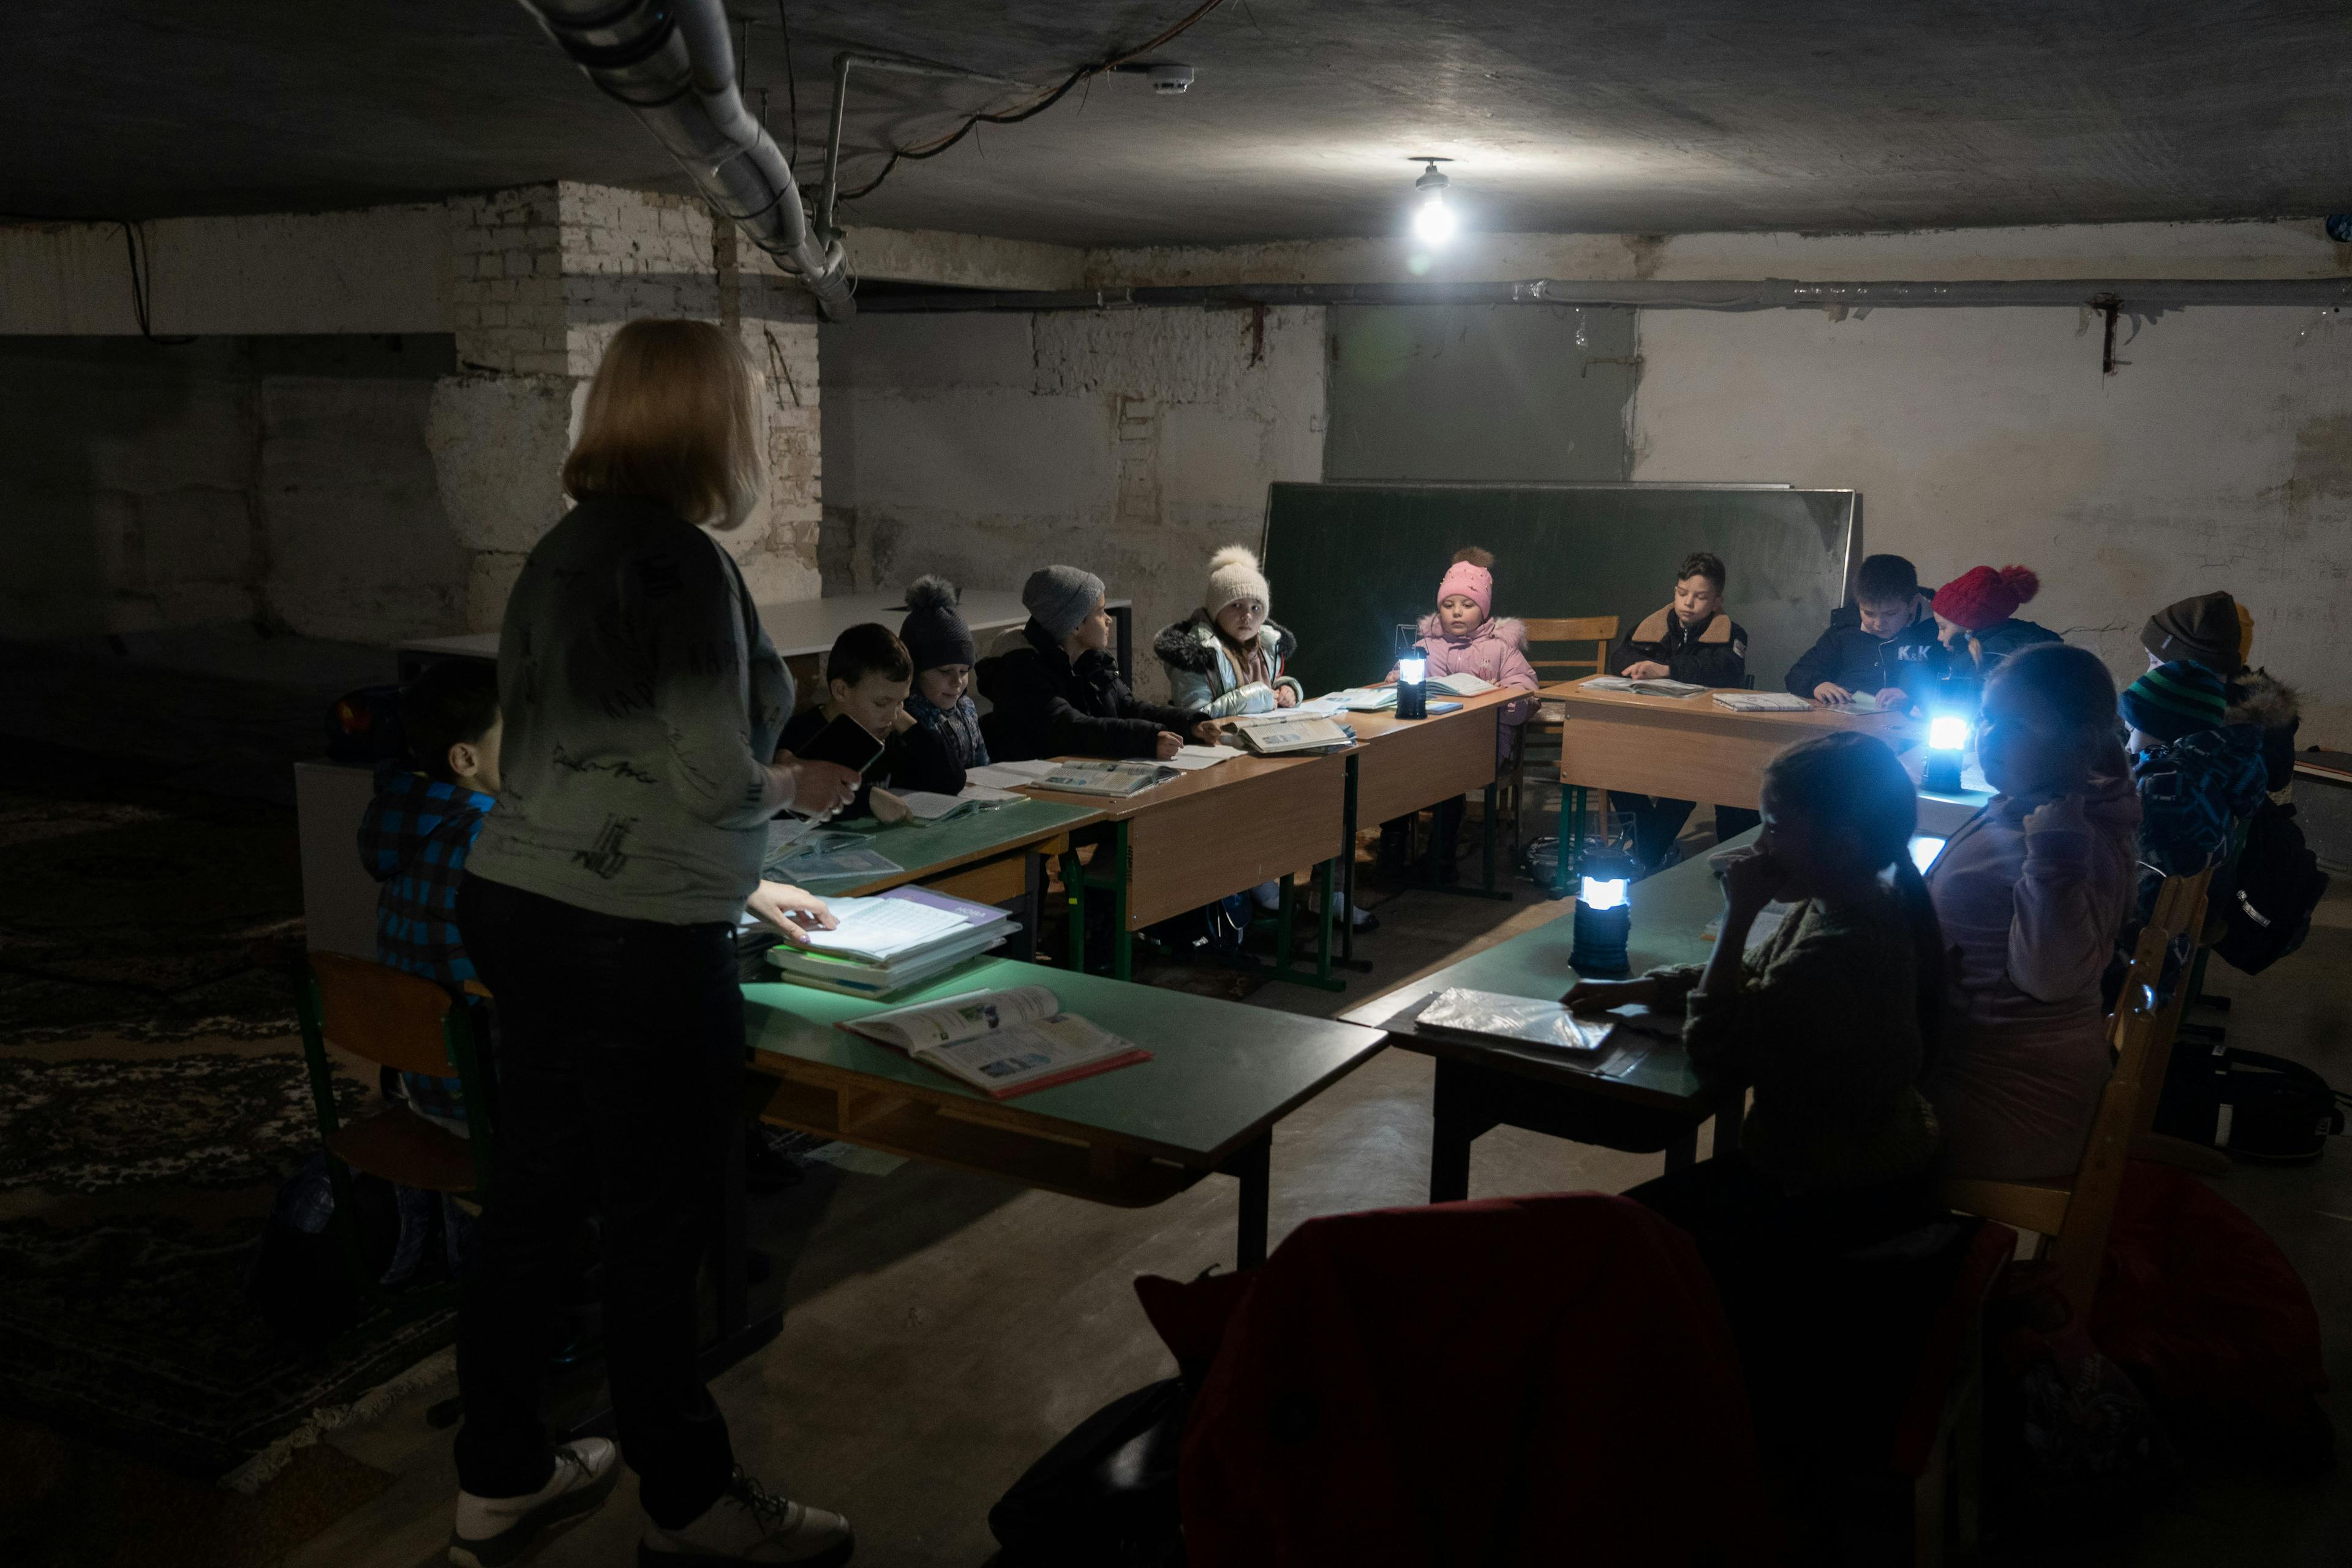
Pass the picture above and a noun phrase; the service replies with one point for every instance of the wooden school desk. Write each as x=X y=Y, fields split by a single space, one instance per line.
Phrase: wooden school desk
x=1203 y=835
x=1222 y=1075
x=990 y=857
x=1687 y=748
x=1641 y=1094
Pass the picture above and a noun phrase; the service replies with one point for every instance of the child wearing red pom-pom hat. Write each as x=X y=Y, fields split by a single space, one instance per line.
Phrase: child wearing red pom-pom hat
x=1976 y=614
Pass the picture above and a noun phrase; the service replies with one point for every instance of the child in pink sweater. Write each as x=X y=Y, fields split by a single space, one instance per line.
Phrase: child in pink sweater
x=2032 y=892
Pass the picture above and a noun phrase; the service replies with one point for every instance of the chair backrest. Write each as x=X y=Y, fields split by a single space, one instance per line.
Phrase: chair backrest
x=381 y=1015
x=2179 y=912
x=1599 y=630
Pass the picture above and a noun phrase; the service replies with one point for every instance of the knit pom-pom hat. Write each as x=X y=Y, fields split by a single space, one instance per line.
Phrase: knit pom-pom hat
x=1472 y=576
x=1980 y=598
x=1233 y=574
x=933 y=632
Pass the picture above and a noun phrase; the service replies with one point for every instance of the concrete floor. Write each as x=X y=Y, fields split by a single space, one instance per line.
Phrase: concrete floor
x=944 y=1329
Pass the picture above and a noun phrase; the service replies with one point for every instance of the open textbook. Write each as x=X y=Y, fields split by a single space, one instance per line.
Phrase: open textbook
x=923 y=807
x=1279 y=736
x=1002 y=1043
x=1768 y=702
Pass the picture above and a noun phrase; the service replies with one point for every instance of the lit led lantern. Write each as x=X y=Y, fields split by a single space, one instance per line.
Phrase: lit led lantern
x=1604 y=916
x=1947 y=737
x=1412 y=687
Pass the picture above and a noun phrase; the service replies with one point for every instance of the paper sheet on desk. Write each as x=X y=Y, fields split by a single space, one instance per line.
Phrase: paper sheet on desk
x=1191 y=758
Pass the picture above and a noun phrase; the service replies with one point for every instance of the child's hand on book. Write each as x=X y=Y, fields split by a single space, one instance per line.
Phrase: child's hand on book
x=1648 y=669
x=1284 y=697
x=789 y=909
x=1205 y=733
x=1168 y=744
x=1600 y=995
x=1831 y=692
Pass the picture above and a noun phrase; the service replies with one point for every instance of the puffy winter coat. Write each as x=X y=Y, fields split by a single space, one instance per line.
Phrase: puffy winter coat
x=2256 y=697
x=1202 y=672
x=1495 y=650
x=1048 y=706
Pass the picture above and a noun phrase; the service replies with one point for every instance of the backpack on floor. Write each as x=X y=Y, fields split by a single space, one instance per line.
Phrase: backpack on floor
x=2278 y=883
x=2258 y=1107
x=1105 y=1496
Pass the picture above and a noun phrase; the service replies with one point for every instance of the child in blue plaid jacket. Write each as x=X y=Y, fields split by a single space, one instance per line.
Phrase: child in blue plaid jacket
x=415 y=835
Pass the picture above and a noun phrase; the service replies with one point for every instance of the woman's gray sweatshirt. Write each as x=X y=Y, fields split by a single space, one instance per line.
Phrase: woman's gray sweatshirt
x=642 y=704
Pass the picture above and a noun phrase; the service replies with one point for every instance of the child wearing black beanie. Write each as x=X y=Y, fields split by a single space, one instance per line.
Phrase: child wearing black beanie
x=944 y=654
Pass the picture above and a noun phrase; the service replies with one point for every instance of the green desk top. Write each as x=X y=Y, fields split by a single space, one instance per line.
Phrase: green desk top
x=1671 y=911
x=975 y=835
x=1221 y=1073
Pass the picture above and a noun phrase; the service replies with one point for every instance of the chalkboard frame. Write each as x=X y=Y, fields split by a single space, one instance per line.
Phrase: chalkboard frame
x=1346 y=619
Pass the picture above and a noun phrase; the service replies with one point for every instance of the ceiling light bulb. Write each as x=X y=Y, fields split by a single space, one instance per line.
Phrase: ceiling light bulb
x=1434 y=222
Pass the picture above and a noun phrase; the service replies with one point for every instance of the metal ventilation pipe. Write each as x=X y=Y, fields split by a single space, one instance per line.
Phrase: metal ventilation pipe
x=671 y=63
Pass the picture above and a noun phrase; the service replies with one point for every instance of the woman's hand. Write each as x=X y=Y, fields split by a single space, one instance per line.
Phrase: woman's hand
x=1600 y=995
x=1751 y=880
x=1205 y=733
x=1167 y=745
x=820 y=789
x=1285 y=697
x=1648 y=669
x=789 y=909
x=1831 y=692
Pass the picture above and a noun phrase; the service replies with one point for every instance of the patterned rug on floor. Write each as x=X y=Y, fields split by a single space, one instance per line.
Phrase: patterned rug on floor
x=152 y=1099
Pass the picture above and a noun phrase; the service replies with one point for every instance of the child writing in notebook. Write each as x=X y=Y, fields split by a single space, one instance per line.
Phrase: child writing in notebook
x=867 y=677
x=2032 y=892
x=1832 y=1018
x=1884 y=649
x=943 y=653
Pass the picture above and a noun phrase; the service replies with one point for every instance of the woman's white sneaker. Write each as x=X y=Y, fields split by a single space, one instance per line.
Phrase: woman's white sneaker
x=749 y=1523
x=492 y=1533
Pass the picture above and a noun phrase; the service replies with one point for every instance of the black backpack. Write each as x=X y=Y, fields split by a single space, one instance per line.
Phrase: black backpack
x=2278 y=884
x=2258 y=1107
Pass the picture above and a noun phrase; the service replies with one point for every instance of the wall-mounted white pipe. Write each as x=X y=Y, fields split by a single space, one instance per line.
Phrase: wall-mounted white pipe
x=672 y=64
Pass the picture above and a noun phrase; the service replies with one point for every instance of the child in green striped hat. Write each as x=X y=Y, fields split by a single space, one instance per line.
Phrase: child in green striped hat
x=2172 y=700
x=2194 y=771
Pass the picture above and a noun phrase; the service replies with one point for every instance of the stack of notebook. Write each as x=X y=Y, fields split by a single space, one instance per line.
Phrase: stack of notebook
x=891 y=942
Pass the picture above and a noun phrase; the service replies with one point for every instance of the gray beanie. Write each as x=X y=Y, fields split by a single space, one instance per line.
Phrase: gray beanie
x=1059 y=597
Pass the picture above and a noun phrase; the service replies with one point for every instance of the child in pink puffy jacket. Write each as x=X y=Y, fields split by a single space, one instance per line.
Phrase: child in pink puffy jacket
x=1463 y=637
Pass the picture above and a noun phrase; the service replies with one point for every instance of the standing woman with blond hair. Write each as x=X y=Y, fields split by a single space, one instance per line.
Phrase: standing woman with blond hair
x=642 y=705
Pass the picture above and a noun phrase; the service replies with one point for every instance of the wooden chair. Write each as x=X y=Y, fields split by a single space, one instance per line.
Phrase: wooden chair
x=2073 y=1217
x=2185 y=914
x=407 y=1023
x=1549 y=735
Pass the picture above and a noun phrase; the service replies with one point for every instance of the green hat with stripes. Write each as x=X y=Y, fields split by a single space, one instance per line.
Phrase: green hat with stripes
x=2175 y=699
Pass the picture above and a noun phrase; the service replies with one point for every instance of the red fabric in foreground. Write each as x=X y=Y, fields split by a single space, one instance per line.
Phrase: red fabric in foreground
x=2200 y=1304
x=1512 y=1381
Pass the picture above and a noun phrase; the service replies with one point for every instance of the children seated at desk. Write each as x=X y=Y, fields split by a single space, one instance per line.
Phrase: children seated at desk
x=867 y=677
x=2215 y=631
x=1056 y=688
x=414 y=838
x=1884 y=646
x=1226 y=657
x=2031 y=891
x=1463 y=637
x=1691 y=640
x=942 y=648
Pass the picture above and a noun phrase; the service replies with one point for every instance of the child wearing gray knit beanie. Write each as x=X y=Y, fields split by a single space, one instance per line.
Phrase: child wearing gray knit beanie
x=1058 y=597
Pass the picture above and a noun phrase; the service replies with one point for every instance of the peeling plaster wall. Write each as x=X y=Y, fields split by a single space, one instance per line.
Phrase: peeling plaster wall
x=2219 y=456
x=1131 y=443
x=269 y=480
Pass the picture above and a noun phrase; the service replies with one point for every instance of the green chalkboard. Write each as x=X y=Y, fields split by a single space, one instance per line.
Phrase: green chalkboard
x=1347 y=562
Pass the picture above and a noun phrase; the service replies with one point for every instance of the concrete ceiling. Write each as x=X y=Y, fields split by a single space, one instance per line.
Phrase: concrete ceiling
x=1666 y=117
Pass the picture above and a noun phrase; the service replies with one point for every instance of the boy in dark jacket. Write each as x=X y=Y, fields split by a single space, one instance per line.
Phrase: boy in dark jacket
x=1691 y=640
x=1056 y=688
x=415 y=838
x=1883 y=646
x=867 y=677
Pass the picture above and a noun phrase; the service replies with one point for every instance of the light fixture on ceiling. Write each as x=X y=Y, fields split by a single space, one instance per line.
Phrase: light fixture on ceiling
x=1432 y=221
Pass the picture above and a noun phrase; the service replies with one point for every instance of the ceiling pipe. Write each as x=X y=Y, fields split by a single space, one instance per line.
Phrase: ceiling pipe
x=2133 y=296
x=671 y=63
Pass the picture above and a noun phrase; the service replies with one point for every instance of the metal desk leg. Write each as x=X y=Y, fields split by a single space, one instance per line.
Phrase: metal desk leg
x=1459 y=1119
x=1683 y=1152
x=1284 y=967
x=1033 y=905
x=1253 y=1165
x=1122 y=943
x=1487 y=835
x=1323 y=891
x=1348 y=861
x=1073 y=881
